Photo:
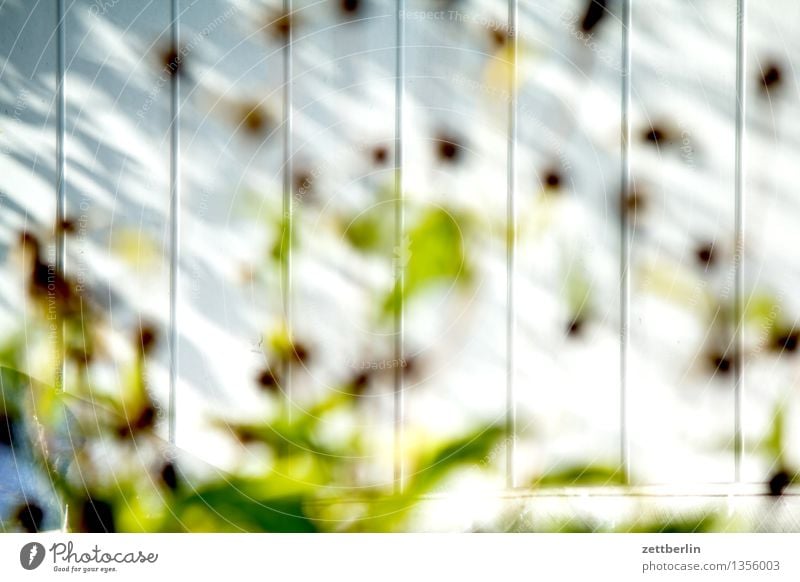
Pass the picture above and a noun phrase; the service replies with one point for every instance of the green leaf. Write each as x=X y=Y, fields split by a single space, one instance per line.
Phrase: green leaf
x=703 y=523
x=239 y=505
x=431 y=253
x=372 y=231
x=761 y=309
x=582 y=475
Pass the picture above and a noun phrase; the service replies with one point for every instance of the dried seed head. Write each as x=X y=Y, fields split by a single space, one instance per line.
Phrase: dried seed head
x=303 y=182
x=655 y=135
x=786 y=341
x=97 y=516
x=169 y=476
x=360 y=383
x=499 y=35
x=147 y=338
x=144 y=420
x=246 y=436
x=268 y=380
x=779 y=482
x=720 y=363
x=81 y=355
x=6 y=430
x=634 y=203
x=30 y=243
x=770 y=77
x=253 y=118
x=67 y=226
x=30 y=517
x=552 y=179
x=705 y=254
x=280 y=25
x=350 y=6
x=379 y=155
x=595 y=12
x=300 y=353
x=575 y=327
x=448 y=148
x=171 y=60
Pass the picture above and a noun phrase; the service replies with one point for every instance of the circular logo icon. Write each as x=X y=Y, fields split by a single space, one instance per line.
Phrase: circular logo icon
x=31 y=555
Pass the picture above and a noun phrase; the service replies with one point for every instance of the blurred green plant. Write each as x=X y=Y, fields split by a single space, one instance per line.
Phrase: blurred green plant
x=111 y=471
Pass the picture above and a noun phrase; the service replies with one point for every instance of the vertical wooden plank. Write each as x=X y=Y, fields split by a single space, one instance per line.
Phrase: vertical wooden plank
x=345 y=205
x=399 y=237
x=770 y=404
x=118 y=196
x=681 y=209
x=29 y=256
x=569 y=240
x=230 y=288
x=459 y=67
x=175 y=211
x=511 y=243
x=28 y=181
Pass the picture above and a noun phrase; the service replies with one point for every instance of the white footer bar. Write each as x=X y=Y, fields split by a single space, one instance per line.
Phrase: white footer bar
x=401 y=557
